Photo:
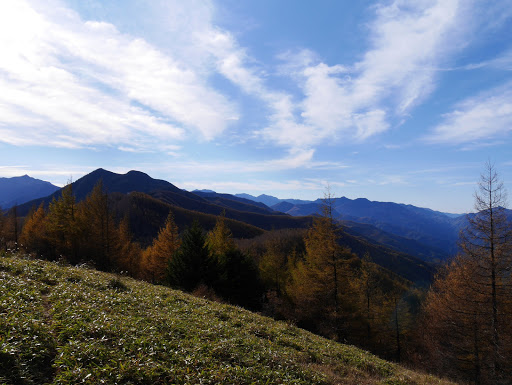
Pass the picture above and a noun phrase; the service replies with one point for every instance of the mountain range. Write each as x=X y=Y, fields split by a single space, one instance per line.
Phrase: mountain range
x=403 y=238
x=21 y=189
x=436 y=230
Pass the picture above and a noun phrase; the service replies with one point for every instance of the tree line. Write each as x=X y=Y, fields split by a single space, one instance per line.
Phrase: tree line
x=459 y=327
x=306 y=277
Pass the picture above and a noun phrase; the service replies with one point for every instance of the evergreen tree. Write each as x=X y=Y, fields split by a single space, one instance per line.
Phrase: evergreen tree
x=3 y=229
x=11 y=229
x=238 y=281
x=191 y=265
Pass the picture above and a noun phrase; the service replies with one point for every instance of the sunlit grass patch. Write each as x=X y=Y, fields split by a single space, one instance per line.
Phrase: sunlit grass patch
x=66 y=325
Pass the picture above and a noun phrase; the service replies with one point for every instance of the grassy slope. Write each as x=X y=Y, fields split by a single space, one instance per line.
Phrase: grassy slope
x=66 y=325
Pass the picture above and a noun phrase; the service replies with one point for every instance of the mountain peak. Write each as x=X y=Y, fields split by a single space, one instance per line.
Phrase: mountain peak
x=20 y=189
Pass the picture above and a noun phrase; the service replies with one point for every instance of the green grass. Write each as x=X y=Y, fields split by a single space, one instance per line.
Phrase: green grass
x=68 y=325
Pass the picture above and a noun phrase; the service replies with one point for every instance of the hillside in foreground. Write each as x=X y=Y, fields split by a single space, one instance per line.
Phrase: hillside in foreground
x=62 y=324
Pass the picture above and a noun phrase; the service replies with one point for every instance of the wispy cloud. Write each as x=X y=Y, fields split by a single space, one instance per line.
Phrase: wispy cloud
x=255 y=186
x=487 y=116
x=295 y=159
x=409 y=40
x=72 y=83
x=502 y=62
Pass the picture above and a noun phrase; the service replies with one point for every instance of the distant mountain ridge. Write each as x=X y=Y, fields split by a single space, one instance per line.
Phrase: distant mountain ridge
x=147 y=202
x=434 y=233
x=270 y=201
x=20 y=189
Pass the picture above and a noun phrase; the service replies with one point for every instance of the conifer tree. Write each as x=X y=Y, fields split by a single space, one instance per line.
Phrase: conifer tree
x=12 y=228
x=238 y=281
x=473 y=298
x=191 y=265
x=157 y=256
x=63 y=226
x=127 y=253
x=99 y=229
x=220 y=239
x=274 y=266
x=3 y=235
x=34 y=237
x=319 y=281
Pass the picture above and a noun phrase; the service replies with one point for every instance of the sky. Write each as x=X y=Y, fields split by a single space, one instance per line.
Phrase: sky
x=401 y=101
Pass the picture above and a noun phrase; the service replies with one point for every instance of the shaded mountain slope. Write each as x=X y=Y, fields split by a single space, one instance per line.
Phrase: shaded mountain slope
x=263 y=221
x=63 y=325
x=404 y=265
x=212 y=195
x=148 y=214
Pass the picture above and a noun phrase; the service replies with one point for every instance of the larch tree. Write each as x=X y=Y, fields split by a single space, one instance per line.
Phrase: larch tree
x=127 y=253
x=34 y=237
x=220 y=239
x=451 y=328
x=156 y=257
x=318 y=281
x=370 y=287
x=274 y=266
x=63 y=226
x=99 y=228
x=475 y=294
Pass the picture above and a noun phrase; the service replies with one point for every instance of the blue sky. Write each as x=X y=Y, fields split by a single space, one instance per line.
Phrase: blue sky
x=398 y=101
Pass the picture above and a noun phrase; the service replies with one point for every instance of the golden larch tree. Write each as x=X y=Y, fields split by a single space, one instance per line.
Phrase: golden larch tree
x=155 y=258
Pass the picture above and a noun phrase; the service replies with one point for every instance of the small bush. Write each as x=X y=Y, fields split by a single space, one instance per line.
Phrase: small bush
x=117 y=284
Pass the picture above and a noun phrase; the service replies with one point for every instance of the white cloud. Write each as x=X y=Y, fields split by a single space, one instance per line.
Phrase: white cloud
x=408 y=42
x=70 y=83
x=483 y=117
x=234 y=64
x=259 y=186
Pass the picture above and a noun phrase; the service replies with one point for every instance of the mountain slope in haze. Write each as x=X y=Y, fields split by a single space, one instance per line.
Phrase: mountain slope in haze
x=435 y=230
x=21 y=189
x=401 y=244
x=270 y=200
x=238 y=203
x=68 y=325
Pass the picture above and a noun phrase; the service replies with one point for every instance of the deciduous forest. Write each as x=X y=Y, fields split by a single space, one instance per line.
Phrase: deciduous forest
x=458 y=327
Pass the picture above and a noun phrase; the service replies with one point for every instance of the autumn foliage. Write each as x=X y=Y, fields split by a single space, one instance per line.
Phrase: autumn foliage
x=460 y=327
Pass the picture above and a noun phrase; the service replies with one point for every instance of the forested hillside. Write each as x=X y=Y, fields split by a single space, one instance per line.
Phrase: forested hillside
x=319 y=274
